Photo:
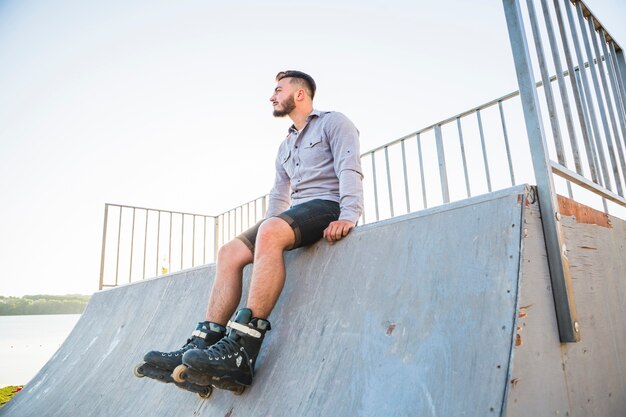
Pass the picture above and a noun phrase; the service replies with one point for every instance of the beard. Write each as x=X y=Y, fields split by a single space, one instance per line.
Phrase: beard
x=287 y=107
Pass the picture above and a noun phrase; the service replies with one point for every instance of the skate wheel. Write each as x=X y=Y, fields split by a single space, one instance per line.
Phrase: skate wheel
x=206 y=393
x=138 y=371
x=179 y=374
x=239 y=390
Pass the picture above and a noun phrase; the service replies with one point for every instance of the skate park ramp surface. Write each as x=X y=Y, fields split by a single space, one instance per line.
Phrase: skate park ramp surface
x=412 y=316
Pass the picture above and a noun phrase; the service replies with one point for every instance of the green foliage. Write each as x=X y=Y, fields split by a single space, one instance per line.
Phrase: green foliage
x=43 y=304
x=7 y=393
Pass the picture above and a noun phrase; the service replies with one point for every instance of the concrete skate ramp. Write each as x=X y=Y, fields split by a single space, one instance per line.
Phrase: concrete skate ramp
x=414 y=316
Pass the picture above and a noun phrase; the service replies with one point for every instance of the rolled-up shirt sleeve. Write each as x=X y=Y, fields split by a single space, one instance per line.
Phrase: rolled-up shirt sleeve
x=279 y=197
x=344 y=143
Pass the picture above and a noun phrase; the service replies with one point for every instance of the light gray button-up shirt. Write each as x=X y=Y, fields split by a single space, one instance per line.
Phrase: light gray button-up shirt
x=322 y=161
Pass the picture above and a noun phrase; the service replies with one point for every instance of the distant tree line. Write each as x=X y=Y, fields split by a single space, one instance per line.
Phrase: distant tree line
x=43 y=304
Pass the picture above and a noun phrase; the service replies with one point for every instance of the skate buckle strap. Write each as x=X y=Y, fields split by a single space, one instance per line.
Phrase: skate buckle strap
x=245 y=329
x=198 y=333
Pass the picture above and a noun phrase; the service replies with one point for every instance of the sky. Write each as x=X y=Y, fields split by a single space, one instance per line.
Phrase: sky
x=166 y=104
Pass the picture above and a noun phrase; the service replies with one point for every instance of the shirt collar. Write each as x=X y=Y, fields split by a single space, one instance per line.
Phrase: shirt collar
x=314 y=113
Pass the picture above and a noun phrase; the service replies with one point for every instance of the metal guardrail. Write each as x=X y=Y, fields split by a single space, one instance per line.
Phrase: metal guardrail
x=150 y=242
x=452 y=159
x=232 y=222
x=597 y=90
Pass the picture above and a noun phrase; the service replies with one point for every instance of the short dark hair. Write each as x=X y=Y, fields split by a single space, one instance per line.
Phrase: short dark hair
x=304 y=79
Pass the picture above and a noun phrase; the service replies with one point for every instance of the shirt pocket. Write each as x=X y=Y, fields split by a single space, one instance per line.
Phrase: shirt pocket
x=287 y=162
x=314 y=151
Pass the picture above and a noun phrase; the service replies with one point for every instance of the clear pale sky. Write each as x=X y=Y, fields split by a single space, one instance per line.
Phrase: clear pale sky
x=166 y=104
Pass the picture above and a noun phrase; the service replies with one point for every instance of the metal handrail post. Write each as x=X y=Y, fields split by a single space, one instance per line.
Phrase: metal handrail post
x=557 y=261
x=621 y=65
x=216 y=236
x=104 y=242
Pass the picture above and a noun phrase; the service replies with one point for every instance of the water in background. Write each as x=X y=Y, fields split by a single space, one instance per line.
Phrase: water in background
x=28 y=342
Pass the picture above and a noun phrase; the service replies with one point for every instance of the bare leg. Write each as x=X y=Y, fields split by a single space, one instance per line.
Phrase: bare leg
x=226 y=291
x=268 y=276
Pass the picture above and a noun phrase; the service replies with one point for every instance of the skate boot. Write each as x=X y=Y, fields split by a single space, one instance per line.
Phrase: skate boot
x=159 y=365
x=230 y=362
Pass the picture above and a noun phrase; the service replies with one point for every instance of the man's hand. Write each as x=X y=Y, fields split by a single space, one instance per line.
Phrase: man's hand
x=337 y=230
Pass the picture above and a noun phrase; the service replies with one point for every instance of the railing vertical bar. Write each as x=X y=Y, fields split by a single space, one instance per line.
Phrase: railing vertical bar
x=389 y=181
x=618 y=77
x=145 y=245
x=506 y=142
x=193 y=242
x=588 y=115
x=156 y=271
x=563 y=90
x=264 y=205
x=228 y=227
x=610 y=86
x=375 y=186
x=104 y=242
x=593 y=160
x=547 y=88
x=169 y=254
x=484 y=148
x=621 y=65
x=443 y=172
x=601 y=105
x=216 y=237
x=132 y=246
x=621 y=93
x=406 y=179
x=462 y=145
x=182 y=239
x=204 y=241
x=240 y=220
x=557 y=261
x=119 y=235
x=422 y=175
x=223 y=220
x=363 y=215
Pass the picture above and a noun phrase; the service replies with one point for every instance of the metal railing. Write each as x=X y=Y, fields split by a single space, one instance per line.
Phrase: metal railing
x=234 y=221
x=447 y=161
x=149 y=242
x=453 y=159
x=597 y=114
x=597 y=90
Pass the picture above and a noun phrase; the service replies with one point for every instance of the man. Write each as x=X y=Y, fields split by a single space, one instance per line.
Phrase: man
x=317 y=194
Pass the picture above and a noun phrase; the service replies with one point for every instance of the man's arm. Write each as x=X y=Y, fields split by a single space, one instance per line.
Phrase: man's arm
x=343 y=138
x=280 y=195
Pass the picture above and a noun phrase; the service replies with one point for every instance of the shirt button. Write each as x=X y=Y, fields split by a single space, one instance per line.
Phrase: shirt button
x=297 y=165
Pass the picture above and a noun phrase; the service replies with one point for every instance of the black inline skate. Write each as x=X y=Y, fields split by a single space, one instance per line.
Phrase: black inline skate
x=159 y=365
x=229 y=363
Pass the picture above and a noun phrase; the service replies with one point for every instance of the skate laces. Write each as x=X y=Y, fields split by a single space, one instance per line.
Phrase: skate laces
x=225 y=347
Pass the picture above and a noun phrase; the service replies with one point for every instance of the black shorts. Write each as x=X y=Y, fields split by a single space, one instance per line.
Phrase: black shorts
x=308 y=221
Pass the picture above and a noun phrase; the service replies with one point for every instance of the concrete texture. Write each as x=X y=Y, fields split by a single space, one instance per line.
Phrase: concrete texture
x=414 y=316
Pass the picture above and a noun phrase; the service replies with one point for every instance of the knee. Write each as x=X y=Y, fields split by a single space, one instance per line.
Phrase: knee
x=234 y=253
x=275 y=233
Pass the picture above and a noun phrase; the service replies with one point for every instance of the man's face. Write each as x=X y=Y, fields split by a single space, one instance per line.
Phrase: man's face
x=283 y=98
